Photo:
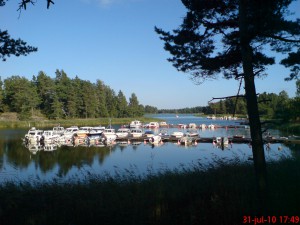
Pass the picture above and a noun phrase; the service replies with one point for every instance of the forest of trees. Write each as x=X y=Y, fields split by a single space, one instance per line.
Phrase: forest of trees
x=271 y=106
x=63 y=97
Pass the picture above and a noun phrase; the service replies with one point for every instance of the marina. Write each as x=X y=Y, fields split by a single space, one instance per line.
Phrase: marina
x=78 y=152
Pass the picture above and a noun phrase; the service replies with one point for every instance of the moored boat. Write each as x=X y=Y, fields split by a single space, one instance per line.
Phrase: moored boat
x=192 y=133
x=123 y=132
x=192 y=125
x=153 y=125
x=109 y=134
x=136 y=133
x=85 y=130
x=33 y=136
x=163 y=124
x=149 y=133
x=135 y=124
x=156 y=139
x=49 y=136
x=177 y=134
x=58 y=130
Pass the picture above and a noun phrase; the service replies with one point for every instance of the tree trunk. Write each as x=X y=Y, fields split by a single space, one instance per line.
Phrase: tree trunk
x=252 y=108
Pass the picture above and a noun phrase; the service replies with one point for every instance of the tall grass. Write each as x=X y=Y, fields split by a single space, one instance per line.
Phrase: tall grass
x=219 y=195
x=71 y=122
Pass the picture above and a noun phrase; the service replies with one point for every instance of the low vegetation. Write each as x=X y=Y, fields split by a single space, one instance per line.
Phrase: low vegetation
x=42 y=122
x=222 y=195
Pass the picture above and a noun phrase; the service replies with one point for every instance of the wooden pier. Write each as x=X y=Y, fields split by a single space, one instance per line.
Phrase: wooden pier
x=210 y=140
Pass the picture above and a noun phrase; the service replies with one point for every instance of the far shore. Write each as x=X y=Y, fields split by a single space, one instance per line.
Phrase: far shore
x=70 y=122
x=10 y=120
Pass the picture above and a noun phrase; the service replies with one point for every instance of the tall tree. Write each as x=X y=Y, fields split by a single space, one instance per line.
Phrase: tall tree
x=111 y=102
x=134 y=107
x=20 y=95
x=46 y=91
x=243 y=28
x=101 y=95
x=122 y=105
x=89 y=99
x=63 y=89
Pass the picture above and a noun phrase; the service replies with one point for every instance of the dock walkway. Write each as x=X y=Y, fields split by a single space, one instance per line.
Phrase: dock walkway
x=211 y=139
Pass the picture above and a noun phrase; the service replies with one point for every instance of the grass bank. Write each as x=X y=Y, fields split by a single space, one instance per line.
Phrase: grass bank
x=290 y=128
x=223 y=195
x=11 y=123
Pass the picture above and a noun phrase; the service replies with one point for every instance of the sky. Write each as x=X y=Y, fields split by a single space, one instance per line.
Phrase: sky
x=114 y=41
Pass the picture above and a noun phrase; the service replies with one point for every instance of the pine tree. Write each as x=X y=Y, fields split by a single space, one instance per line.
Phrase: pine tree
x=229 y=36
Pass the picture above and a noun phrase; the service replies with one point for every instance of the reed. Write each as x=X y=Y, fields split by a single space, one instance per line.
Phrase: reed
x=71 y=122
x=188 y=195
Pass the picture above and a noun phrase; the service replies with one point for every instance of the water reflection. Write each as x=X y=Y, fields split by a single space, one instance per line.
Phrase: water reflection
x=45 y=162
x=67 y=161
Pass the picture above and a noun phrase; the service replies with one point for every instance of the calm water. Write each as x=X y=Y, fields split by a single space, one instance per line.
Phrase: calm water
x=18 y=163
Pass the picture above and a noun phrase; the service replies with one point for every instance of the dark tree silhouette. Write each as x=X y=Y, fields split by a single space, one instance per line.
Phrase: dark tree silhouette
x=293 y=61
x=10 y=46
x=229 y=37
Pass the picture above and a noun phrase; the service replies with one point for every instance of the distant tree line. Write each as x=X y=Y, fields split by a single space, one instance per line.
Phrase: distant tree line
x=271 y=106
x=63 y=97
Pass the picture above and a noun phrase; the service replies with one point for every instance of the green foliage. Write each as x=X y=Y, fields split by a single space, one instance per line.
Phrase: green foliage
x=10 y=46
x=151 y=109
x=63 y=97
x=134 y=108
x=211 y=36
x=122 y=105
x=20 y=95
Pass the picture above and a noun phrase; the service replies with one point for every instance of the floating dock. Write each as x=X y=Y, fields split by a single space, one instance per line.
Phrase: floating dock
x=211 y=139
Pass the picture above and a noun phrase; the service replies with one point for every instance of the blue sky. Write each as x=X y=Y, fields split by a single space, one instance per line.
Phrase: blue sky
x=114 y=41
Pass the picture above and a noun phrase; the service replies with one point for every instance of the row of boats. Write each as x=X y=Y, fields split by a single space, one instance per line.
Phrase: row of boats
x=163 y=124
x=75 y=135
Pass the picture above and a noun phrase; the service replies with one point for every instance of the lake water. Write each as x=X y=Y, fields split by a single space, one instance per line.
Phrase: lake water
x=17 y=163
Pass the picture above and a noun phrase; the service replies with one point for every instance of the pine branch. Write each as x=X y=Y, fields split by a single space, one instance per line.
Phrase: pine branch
x=227 y=97
x=283 y=39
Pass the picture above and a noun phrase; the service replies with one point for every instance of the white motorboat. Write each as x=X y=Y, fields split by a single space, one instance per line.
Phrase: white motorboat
x=177 y=134
x=49 y=136
x=163 y=124
x=149 y=133
x=153 y=125
x=192 y=133
x=98 y=130
x=136 y=133
x=109 y=134
x=135 y=124
x=156 y=139
x=85 y=130
x=58 y=130
x=70 y=131
x=33 y=135
x=123 y=132
x=163 y=133
x=192 y=125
